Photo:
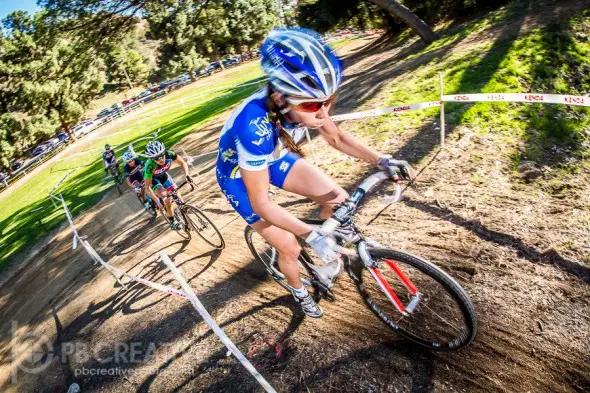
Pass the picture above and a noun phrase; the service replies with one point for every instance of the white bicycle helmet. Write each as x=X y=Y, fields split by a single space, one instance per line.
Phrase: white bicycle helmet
x=300 y=64
x=154 y=148
x=128 y=156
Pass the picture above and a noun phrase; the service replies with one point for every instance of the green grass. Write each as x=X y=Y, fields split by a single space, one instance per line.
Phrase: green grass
x=27 y=214
x=551 y=59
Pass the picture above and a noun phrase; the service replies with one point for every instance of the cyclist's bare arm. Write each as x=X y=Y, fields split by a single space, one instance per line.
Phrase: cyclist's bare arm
x=347 y=144
x=257 y=185
x=129 y=182
x=180 y=161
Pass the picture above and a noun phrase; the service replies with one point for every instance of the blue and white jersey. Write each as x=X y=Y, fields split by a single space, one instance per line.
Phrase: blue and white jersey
x=250 y=140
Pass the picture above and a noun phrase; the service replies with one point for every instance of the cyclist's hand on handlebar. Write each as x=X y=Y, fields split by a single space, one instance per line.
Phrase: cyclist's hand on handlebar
x=137 y=189
x=324 y=246
x=398 y=169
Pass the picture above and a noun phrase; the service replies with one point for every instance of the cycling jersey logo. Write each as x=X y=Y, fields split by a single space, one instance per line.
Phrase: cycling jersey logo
x=232 y=200
x=284 y=166
x=226 y=156
x=258 y=142
x=263 y=126
x=250 y=217
x=256 y=162
x=164 y=168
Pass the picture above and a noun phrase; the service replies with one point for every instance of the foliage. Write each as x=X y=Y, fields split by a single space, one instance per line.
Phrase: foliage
x=194 y=32
x=47 y=83
x=123 y=62
x=325 y=15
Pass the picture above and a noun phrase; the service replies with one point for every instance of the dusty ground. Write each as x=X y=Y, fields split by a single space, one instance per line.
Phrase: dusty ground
x=521 y=254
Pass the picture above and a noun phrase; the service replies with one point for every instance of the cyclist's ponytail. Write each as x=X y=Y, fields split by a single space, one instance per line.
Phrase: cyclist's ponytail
x=278 y=118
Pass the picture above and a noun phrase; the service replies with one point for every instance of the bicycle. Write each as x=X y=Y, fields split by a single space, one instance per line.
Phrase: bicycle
x=410 y=295
x=151 y=209
x=192 y=219
x=116 y=176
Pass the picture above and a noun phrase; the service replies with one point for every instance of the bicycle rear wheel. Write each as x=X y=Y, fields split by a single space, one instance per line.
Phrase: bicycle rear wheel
x=118 y=185
x=417 y=299
x=204 y=227
x=152 y=210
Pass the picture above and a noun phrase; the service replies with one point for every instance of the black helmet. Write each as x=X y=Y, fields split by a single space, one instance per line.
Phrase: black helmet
x=107 y=146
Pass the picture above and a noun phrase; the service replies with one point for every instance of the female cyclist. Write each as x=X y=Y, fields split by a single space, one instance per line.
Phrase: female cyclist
x=133 y=171
x=157 y=181
x=256 y=149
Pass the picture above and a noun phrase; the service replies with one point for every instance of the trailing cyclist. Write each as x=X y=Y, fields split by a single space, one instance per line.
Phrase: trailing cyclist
x=256 y=149
x=133 y=171
x=109 y=158
x=157 y=180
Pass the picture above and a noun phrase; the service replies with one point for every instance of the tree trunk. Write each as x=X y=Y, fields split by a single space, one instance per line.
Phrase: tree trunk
x=66 y=127
x=411 y=19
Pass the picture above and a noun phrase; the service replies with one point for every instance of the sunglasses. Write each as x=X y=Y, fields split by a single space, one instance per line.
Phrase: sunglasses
x=312 y=106
x=158 y=158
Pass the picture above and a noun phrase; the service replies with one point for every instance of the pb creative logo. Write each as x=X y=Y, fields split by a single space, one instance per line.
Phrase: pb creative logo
x=31 y=352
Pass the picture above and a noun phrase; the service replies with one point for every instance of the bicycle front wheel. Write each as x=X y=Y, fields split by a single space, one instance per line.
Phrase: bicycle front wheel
x=417 y=299
x=185 y=229
x=204 y=227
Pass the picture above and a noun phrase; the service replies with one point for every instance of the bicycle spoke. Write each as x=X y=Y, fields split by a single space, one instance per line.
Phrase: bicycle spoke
x=443 y=319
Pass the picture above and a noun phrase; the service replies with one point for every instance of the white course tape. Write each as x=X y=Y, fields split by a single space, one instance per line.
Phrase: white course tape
x=186 y=292
x=205 y=315
x=386 y=111
x=519 y=97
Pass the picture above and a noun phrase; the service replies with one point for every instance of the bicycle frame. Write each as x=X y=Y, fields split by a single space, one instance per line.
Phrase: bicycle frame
x=174 y=193
x=343 y=216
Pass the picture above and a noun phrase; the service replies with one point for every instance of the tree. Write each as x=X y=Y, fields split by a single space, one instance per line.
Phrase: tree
x=402 y=12
x=48 y=82
x=191 y=31
x=194 y=32
x=324 y=15
x=122 y=62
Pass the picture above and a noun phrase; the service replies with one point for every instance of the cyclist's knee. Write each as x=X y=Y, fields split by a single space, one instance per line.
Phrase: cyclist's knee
x=289 y=247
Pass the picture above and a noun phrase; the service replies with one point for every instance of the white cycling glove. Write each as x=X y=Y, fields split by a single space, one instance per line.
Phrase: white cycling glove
x=398 y=169
x=324 y=246
x=137 y=190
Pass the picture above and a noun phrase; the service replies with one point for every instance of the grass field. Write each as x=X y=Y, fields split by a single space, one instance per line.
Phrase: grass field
x=27 y=214
x=551 y=59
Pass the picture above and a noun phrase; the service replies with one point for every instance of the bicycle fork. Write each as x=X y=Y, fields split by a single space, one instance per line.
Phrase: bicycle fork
x=370 y=264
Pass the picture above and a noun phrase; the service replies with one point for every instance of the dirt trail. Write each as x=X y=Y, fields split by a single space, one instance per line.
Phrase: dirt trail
x=513 y=248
